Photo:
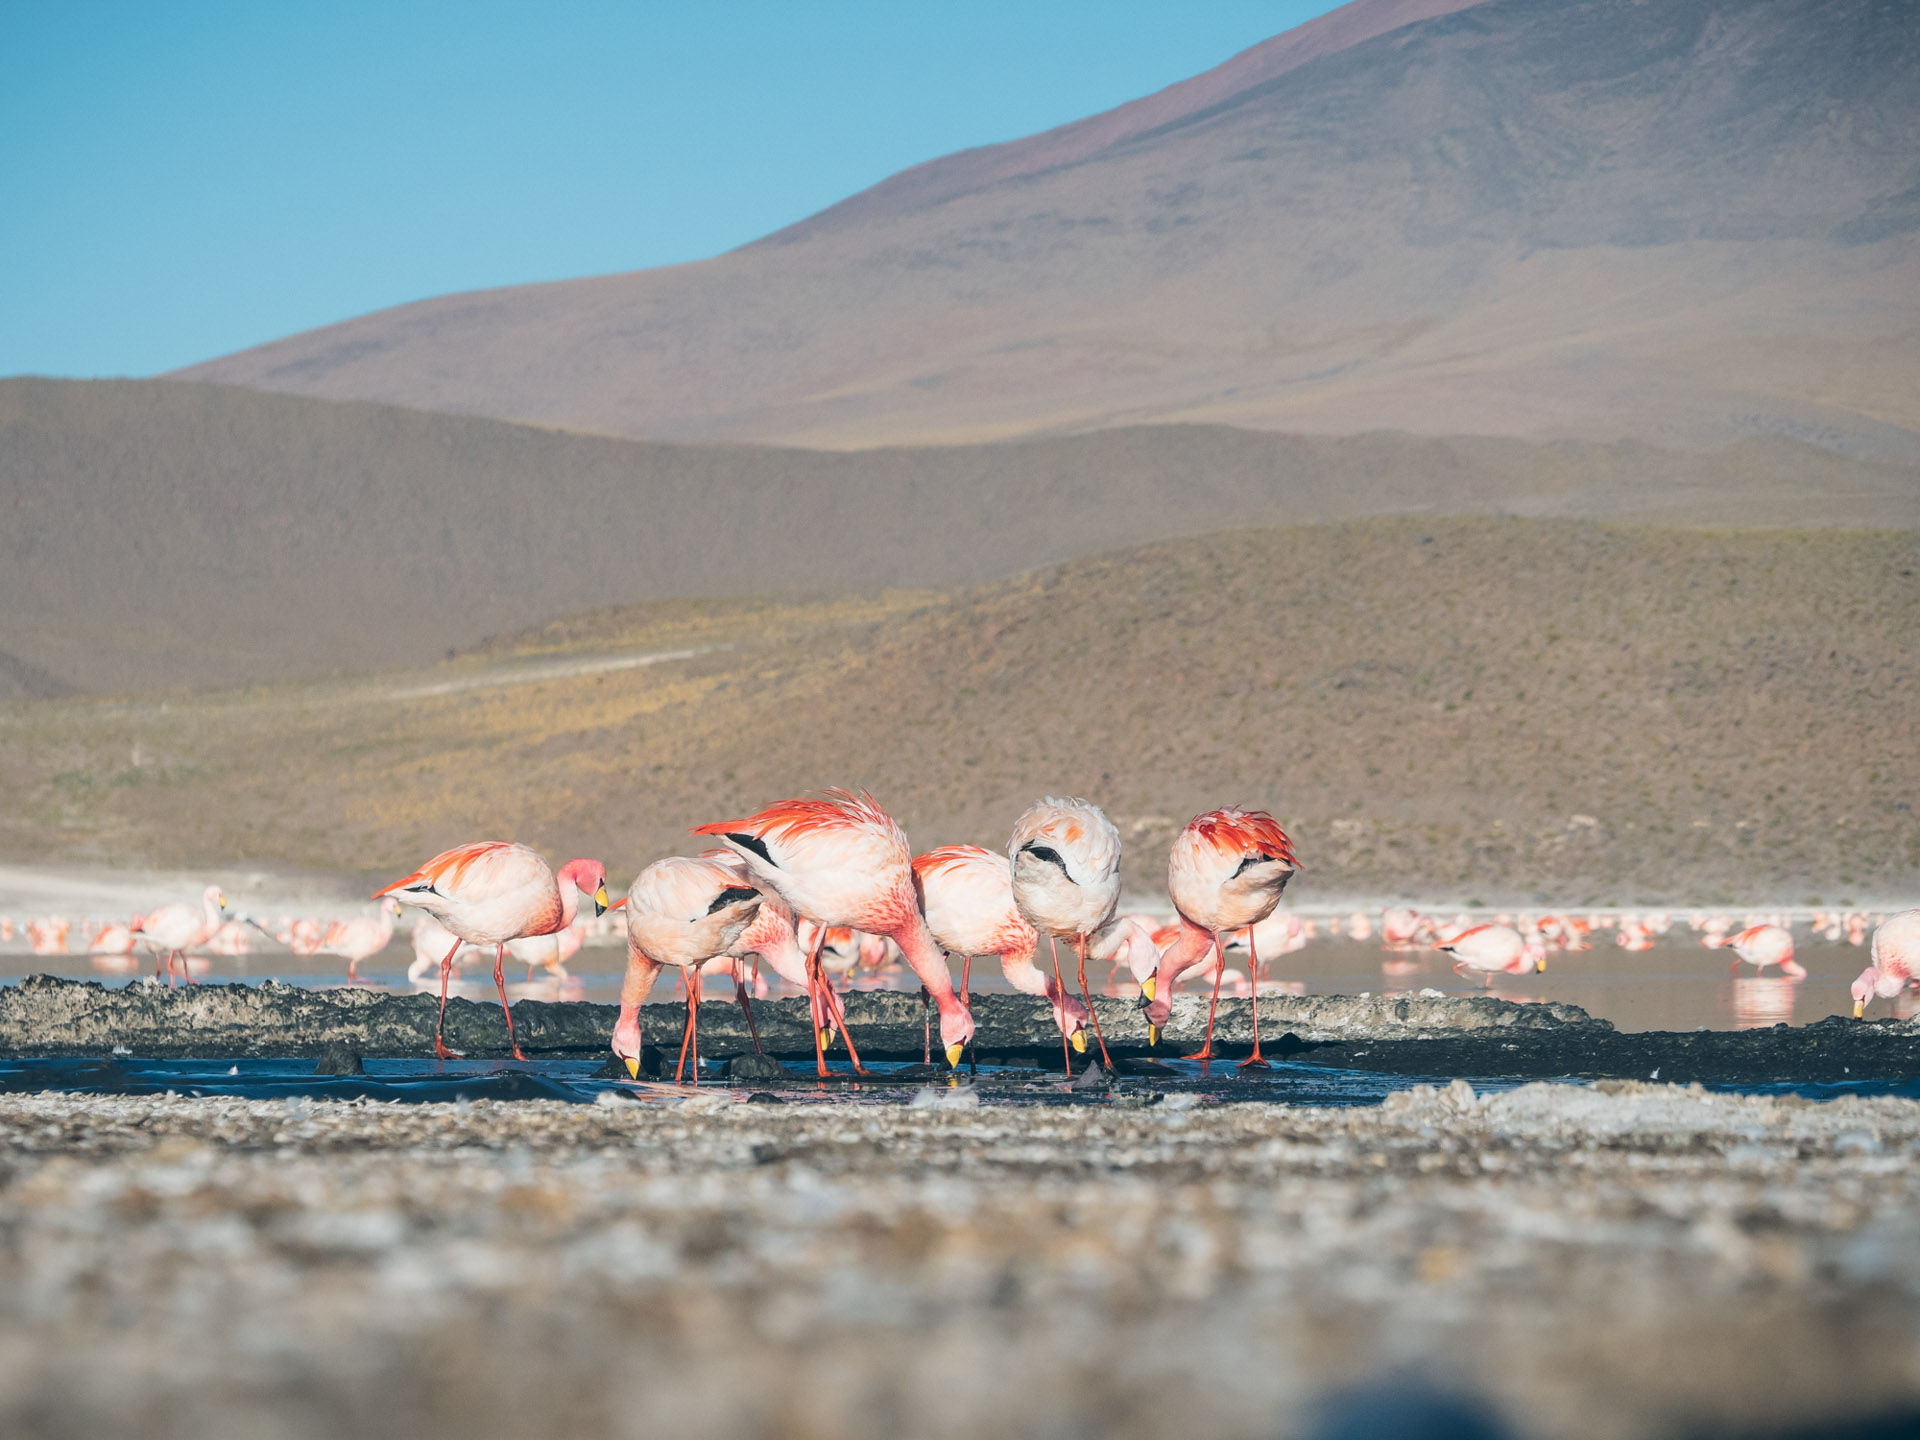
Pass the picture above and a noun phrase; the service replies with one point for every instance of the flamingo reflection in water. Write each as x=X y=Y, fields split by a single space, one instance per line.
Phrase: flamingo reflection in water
x=1763 y=1000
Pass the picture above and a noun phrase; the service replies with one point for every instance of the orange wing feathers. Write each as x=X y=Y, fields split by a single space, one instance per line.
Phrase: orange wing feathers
x=1238 y=831
x=447 y=869
x=825 y=811
x=946 y=857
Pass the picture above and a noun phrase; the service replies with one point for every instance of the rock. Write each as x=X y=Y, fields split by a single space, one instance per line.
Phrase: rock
x=755 y=1067
x=764 y=1097
x=1091 y=1078
x=340 y=1060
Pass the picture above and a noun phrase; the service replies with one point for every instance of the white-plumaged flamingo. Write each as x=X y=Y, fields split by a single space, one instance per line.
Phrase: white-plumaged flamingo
x=1896 y=961
x=360 y=937
x=1493 y=949
x=684 y=912
x=1764 y=945
x=1065 y=856
x=1225 y=871
x=175 y=929
x=488 y=893
x=839 y=859
x=966 y=893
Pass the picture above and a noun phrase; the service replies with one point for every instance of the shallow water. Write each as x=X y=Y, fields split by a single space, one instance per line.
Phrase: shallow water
x=1676 y=985
x=422 y=1081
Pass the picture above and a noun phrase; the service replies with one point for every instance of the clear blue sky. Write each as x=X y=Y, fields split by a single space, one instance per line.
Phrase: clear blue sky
x=180 y=180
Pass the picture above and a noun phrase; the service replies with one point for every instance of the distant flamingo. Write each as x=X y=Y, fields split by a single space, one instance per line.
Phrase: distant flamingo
x=488 y=893
x=431 y=941
x=682 y=912
x=1491 y=949
x=302 y=937
x=175 y=929
x=232 y=938
x=1764 y=945
x=360 y=937
x=48 y=935
x=1896 y=961
x=115 y=938
x=966 y=893
x=1400 y=927
x=1226 y=871
x=551 y=951
x=1065 y=855
x=839 y=859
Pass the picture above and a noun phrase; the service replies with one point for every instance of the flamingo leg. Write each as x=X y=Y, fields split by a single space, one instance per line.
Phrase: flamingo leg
x=740 y=994
x=818 y=1006
x=1205 y=1052
x=500 y=984
x=1106 y=1061
x=966 y=977
x=1255 y=1061
x=1066 y=1053
x=687 y=1038
x=186 y=969
x=839 y=1012
x=926 y=1027
x=439 y=1031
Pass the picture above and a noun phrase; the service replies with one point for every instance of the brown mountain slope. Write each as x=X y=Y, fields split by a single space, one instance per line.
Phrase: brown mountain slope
x=1686 y=222
x=156 y=533
x=1467 y=707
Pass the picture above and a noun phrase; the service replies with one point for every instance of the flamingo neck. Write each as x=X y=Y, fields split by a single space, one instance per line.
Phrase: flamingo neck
x=1185 y=953
x=927 y=960
x=569 y=899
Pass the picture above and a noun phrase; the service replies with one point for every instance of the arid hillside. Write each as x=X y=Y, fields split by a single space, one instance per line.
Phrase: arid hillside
x=1478 y=708
x=154 y=533
x=1685 y=222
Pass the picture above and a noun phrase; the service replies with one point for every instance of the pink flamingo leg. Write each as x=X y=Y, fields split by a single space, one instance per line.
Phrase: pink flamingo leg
x=500 y=984
x=1066 y=1052
x=1205 y=1052
x=818 y=1006
x=439 y=1031
x=846 y=1035
x=740 y=994
x=691 y=1037
x=1255 y=1061
x=1106 y=1061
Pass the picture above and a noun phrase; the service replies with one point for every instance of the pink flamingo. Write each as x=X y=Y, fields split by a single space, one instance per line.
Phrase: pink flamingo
x=48 y=935
x=966 y=894
x=115 y=938
x=174 y=929
x=550 y=951
x=1226 y=871
x=488 y=893
x=360 y=937
x=302 y=937
x=839 y=859
x=774 y=936
x=1896 y=961
x=230 y=939
x=1065 y=856
x=1764 y=945
x=1495 y=948
x=682 y=912
x=431 y=941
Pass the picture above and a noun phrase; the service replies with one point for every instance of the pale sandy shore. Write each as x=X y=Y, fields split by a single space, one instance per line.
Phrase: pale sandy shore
x=1623 y=1261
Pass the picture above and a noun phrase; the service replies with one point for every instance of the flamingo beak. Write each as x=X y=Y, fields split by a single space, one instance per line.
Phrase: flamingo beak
x=826 y=1038
x=600 y=905
x=1859 y=1009
x=1079 y=1042
x=633 y=1066
x=1543 y=967
x=223 y=900
x=1153 y=1035
x=1147 y=986
x=954 y=1052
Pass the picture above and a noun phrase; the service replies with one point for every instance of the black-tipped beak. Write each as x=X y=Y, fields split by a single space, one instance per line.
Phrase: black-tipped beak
x=600 y=902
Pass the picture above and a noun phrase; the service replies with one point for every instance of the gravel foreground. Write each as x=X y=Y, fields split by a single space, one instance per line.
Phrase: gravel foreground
x=1625 y=1260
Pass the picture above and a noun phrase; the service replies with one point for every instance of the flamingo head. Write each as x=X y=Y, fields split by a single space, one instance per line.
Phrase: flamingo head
x=1863 y=990
x=626 y=1043
x=215 y=897
x=589 y=877
x=1533 y=958
x=390 y=908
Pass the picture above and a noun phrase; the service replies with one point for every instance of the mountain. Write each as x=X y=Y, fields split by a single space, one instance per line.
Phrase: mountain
x=1685 y=222
x=159 y=533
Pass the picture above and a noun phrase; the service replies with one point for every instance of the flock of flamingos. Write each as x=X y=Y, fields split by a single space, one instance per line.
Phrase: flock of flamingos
x=825 y=888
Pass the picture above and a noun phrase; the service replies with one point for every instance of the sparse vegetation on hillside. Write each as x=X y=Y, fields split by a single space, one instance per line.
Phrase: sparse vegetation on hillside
x=1478 y=708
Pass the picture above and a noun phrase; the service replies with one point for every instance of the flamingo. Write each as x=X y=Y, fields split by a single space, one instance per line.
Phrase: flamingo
x=230 y=939
x=431 y=941
x=360 y=937
x=1896 y=961
x=683 y=912
x=1065 y=856
x=553 y=951
x=1764 y=945
x=1491 y=948
x=302 y=937
x=1225 y=872
x=174 y=929
x=774 y=937
x=966 y=894
x=1401 y=927
x=488 y=893
x=48 y=935
x=115 y=938
x=839 y=859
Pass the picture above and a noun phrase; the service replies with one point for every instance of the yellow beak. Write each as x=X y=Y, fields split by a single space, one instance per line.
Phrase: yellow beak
x=600 y=899
x=826 y=1038
x=1543 y=967
x=223 y=901
x=953 y=1054
x=1153 y=1035
x=1079 y=1042
x=633 y=1067
x=1859 y=1009
x=1147 y=986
